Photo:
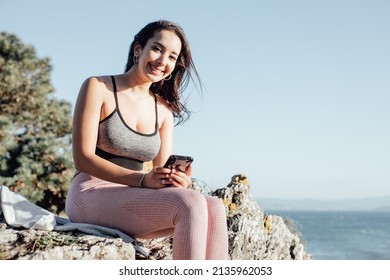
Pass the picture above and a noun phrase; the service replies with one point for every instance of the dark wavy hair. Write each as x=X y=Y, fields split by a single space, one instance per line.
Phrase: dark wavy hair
x=171 y=90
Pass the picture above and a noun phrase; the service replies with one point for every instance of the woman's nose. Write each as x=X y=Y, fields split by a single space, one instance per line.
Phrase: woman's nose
x=162 y=60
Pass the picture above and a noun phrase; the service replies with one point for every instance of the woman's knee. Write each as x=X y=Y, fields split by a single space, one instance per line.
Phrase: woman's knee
x=216 y=207
x=191 y=202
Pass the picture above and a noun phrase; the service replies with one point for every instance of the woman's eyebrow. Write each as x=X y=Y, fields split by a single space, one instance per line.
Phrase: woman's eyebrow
x=162 y=46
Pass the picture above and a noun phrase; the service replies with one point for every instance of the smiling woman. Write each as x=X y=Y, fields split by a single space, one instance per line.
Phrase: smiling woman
x=157 y=58
x=121 y=122
x=176 y=82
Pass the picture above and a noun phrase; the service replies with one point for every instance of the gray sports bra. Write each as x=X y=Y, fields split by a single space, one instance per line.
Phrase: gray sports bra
x=119 y=143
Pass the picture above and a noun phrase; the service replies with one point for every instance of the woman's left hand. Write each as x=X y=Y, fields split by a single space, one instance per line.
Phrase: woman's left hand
x=180 y=179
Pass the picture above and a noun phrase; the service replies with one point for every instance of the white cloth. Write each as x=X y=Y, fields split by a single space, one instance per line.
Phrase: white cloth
x=19 y=212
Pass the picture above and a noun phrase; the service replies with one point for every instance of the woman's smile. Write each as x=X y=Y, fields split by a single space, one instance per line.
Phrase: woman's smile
x=155 y=70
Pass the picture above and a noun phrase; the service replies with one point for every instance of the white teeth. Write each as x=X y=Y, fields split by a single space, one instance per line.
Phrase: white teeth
x=156 y=71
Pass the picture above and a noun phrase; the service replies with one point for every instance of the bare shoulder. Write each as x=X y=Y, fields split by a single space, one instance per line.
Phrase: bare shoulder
x=93 y=93
x=96 y=88
x=97 y=83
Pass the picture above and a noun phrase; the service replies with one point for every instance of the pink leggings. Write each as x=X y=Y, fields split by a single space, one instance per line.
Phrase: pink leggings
x=197 y=221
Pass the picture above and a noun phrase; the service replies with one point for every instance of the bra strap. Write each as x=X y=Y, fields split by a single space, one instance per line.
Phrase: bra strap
x=115 y=93
x=116 y=101
x=155 y=99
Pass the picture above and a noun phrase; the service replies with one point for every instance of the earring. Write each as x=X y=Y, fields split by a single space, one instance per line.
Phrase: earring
x=168 y=77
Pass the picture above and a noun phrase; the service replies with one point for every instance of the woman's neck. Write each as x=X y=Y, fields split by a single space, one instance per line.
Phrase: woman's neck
x=133 y=82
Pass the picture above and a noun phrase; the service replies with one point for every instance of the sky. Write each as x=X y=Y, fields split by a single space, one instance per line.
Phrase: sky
x=296 y=93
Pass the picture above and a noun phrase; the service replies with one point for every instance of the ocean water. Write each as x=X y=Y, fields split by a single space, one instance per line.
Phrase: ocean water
x=339 y=235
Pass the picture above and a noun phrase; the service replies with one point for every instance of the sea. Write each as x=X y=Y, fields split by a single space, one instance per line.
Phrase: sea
x=342 y=235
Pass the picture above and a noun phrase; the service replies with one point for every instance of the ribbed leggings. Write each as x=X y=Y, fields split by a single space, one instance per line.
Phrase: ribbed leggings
x=197 y=221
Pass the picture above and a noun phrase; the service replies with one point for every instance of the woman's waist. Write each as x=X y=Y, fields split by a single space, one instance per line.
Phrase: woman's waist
x=83 y=181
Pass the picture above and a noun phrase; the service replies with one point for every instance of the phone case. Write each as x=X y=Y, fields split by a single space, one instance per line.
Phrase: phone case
x=177 y=162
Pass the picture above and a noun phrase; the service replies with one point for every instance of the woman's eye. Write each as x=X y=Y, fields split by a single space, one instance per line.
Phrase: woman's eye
x=173 y=58
x=157 y=49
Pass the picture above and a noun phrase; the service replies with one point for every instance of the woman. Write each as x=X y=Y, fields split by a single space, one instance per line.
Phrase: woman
x=122 y=121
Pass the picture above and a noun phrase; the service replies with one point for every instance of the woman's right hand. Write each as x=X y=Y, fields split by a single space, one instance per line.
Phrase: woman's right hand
x=157 y=178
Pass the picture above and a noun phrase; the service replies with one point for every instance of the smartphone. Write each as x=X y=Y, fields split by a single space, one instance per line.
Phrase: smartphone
x=181 y=163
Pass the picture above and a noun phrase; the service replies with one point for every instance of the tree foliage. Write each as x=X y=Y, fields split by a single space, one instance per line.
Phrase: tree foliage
x=35 y=127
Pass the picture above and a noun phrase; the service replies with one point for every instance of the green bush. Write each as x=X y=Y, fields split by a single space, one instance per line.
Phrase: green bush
x=35 y=127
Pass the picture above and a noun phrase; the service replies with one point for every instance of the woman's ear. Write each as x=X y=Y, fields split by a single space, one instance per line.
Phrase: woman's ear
x=137 y=49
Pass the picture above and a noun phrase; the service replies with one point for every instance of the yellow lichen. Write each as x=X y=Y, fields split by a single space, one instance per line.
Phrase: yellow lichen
x=267 y=223
x=240 y=179
x=233 y=207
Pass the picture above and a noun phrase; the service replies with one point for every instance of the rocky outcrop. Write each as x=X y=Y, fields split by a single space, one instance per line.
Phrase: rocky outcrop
x=30 y=244
x=253 y=235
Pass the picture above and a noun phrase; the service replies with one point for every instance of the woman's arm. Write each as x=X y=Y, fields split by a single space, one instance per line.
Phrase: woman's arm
x=166 y=136
x=85 y=132
x=174 y=178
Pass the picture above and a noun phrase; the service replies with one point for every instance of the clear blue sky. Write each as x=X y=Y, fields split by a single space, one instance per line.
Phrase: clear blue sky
x=297 y=93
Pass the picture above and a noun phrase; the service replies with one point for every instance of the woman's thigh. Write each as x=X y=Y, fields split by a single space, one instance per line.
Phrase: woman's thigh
x=136 y=211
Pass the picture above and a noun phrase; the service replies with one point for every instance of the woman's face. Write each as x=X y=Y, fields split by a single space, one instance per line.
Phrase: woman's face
x=158 y=58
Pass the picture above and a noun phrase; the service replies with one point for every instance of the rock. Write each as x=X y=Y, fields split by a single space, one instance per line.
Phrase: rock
x=253 y=235
x=29 y=244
